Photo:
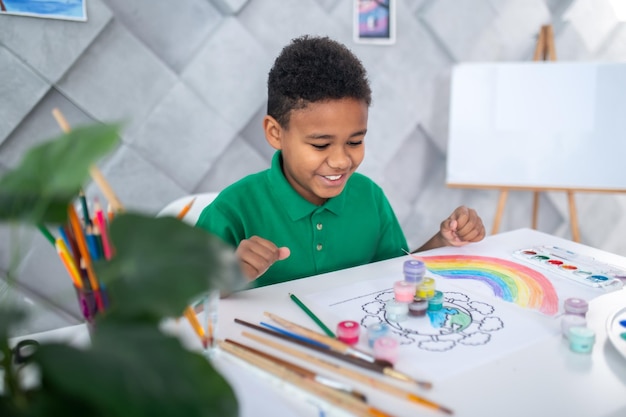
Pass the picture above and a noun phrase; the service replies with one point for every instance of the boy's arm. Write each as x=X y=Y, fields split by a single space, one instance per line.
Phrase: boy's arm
x=460 y=228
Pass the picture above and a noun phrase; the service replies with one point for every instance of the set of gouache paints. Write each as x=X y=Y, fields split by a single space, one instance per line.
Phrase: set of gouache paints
x=576 y=267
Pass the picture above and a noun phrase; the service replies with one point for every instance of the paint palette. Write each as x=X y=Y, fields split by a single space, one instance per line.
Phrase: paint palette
x=579 y=268
x=616 y=330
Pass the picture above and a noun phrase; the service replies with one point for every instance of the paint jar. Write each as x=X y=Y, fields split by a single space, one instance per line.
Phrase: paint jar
x=581 y=339
x=413 y=270
x=426 y=288
x=348 y=332
x=404 y=291
x=418 y=307
x=395 y=311
x=386 y=348
x=570 y=320
x=576 y=306
x=376 y=331
x=436 y=302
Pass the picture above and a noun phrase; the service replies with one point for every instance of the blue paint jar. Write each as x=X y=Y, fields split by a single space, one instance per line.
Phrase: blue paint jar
x=376 y=331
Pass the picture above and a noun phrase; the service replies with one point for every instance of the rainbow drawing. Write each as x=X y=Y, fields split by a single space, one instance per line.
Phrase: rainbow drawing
x=509 y=281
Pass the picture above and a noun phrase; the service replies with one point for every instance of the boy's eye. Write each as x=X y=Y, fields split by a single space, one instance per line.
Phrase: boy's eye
x=324 y=146
x=355 y=143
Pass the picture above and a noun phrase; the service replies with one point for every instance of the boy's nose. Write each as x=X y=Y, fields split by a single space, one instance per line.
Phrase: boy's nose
x=339 y=160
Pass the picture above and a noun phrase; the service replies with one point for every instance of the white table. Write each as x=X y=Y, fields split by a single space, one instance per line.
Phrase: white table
x=543 y=379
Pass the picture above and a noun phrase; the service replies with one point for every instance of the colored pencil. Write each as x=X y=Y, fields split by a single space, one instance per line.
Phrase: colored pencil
x=107 y=247
x=92 y=244
x=333 y=396
x=307 y=373
x=110 y=214
x=98 y=240
x=64 y=236
x=185 y=209
x=83 y=204
x=309 y=313
x=68 y=262
x=44 y=231
x=197 y=327
x=349 y=373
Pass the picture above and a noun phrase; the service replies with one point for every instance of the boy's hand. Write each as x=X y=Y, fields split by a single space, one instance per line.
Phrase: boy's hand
x=462 y=227
x=256 y=255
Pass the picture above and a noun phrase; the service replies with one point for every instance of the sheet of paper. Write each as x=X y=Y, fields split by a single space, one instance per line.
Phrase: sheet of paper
x=468 y=330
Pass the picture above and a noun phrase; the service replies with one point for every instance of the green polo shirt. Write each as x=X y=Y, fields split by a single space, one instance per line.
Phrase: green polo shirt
x=354 y=228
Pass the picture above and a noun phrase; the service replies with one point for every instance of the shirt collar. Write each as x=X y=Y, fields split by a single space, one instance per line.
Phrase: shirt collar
x=297 y=206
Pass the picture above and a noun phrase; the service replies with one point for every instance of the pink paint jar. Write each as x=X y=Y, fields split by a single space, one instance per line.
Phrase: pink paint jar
x=348 y=332
x=404 y=291
x=386 y=348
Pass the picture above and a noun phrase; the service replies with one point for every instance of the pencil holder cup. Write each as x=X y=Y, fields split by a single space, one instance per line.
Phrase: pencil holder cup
x=87 y=303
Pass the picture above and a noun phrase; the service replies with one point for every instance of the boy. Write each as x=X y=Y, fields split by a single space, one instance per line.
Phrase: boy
x=311 y=213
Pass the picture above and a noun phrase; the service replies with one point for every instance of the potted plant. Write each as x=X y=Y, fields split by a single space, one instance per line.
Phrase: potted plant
x=160 y=265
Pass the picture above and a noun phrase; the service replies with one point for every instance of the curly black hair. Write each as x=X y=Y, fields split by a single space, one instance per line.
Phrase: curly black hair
x=312 y=69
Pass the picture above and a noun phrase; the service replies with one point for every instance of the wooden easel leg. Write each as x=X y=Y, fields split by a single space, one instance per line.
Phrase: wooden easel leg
x=499 y=211
x=549 y=39
x=573 y=217
x=540 y=46
x=535 y=209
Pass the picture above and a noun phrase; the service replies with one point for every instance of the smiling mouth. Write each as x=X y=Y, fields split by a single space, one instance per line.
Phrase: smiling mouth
x=333 y=177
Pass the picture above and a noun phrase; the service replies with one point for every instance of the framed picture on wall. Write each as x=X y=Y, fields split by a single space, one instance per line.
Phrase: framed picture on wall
x=50 y=9
x=375 y=21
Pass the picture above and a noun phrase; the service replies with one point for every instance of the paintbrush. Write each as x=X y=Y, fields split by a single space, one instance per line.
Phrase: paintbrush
x=332 y=343
x=305 y=372
x=349 y=373
x=333 y=396
x=380 y=366
x=311 y=344
x=339 y=346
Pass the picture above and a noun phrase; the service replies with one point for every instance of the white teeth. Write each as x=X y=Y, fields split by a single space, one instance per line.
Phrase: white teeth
x=333 y=177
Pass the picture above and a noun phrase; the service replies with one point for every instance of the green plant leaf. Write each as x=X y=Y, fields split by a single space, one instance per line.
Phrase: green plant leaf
x=50 y=175
x=134 y=370
x=162 y=264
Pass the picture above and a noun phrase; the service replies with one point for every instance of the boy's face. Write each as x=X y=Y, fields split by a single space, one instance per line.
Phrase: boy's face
x=322 y=147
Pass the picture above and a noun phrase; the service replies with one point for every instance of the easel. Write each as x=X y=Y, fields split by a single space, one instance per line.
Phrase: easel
x=544 y=51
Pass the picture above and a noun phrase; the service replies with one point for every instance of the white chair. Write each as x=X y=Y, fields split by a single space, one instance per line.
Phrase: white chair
x=201 y=201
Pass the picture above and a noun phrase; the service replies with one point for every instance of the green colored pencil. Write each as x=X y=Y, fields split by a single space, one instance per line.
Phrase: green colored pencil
x=309 y=313
x=46 y=233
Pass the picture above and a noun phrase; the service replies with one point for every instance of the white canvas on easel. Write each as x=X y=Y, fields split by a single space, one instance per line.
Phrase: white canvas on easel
x=538 y=125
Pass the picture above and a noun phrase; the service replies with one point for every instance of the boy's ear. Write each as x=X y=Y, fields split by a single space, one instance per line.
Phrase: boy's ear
x=272 y=130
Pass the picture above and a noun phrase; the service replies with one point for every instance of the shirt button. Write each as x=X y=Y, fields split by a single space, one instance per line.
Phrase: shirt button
x=319 y=226
x=319 y=246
